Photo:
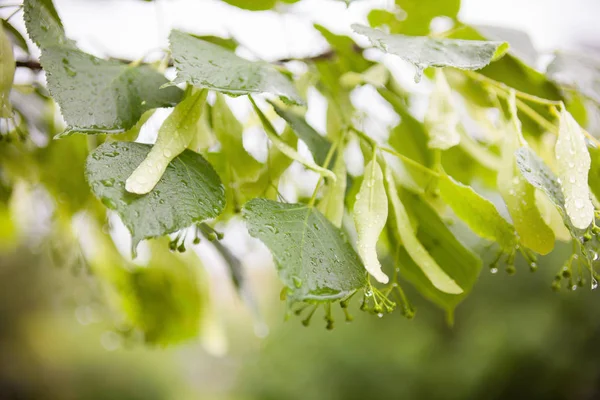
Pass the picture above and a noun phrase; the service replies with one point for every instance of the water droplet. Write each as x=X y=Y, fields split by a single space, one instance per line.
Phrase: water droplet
x=108 y=182
x=494 y=270
x=297 y=281
x=380 y=315
x=167 y=153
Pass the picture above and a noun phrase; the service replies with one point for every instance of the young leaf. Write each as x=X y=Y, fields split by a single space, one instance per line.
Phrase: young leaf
x=210 y=66
x=100 y=96
x=478 y=213
x=425 y=52
x=370 y=215
x=314 y=259
x=442 y=118
x=7 y=73
x=519 y=195
x=332 y=203
x=573 y=164
x=287 y=150
x=436 y=275
x=229 y=132
x=317 y=144
x=174 y=136
x=189 y=191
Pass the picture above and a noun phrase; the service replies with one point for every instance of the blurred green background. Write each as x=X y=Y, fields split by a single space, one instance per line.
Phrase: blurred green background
x=513 y=338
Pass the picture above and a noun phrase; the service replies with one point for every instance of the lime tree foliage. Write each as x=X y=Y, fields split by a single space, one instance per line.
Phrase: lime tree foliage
x=503 y=151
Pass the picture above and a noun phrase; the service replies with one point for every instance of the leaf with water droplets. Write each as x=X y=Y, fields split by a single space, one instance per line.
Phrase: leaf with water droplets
x=573 y=164
x=370 y=216
x=287 y=150
x=424 y=52
x=210 y=66
x=188 y=192
x=417 y=252
x=100 y=96
x=174 y=136
x=332 y=203
x=43 y=24
x=518 y=194
x=7 y=73
x=314 y=259
x=478 y=213
x=442 y=118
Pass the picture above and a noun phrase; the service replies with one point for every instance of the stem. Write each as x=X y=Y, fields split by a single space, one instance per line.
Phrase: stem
x=411 y=162
x=328 y=158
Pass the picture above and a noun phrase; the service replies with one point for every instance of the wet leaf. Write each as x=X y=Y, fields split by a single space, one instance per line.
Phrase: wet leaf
x=174 y=136
x=417 y=252
x=370 y=215
x=314 y=259
x=100 y=96
x=44 y=25
x=207 y=65
x=424 y=52
x=442 y=118
x=189 y=191
x=573 y=164
x=332 y=203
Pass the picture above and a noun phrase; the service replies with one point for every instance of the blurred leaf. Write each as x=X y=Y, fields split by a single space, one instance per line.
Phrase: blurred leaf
x=7 y=73
x=378 y=18
x=425 y=52
x=520 y=43
x=577 y=71
x=189 y=190
x=16 y=36
x=348 y=55
x=478 y=213
x=402 y=228
x=100 y=96
x=174 y=136
x=420 y=13
x=252 y=5
x=442 y=118
x=370 y=215
x=332 y=203
x=210 y=66
x=315 y=261
x=317 y=144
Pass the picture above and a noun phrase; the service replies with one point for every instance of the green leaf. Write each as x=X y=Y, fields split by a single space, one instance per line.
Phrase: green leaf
x=174 y=136
x=442 y=118
x=378 y=18
x=100 y=96
x=210 y=66
x=287 y=150
x=252 y=5
x=7 y=73
x=478 y=213
x=573 y=164
x=420 y=13
x=314 y=259
x=317 y=144
x=424 y=52
x=404 y=231
x=16 y=36
x=458 y=261
x=347 y=54
x=332 y=203
x=577 y=71
x=519 y=195
x=370 y=215
x=520 y=43
x=189 y=191
x=43 y=24
x=229 y=132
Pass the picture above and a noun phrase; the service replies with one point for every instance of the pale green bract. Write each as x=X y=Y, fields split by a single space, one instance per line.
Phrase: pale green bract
x=207 y=65
x=573 y=164
x=174 y=136
x=7 y=73
x=332 y=203
x=442 y=118
x=370 y=216
x=423 y=51
x=314 y=259
x=519 y=194
x=414 y=248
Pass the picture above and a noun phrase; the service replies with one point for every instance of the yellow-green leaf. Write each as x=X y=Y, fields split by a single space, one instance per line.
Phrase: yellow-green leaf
x=442 y=117
x=332 y=204
x=7 y=73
